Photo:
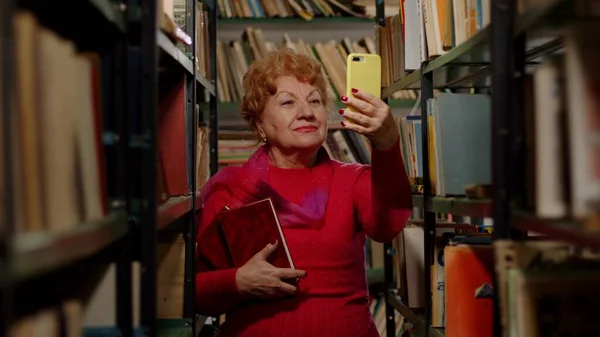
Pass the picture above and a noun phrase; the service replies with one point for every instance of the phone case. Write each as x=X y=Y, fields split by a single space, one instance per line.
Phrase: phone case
x=363 y=73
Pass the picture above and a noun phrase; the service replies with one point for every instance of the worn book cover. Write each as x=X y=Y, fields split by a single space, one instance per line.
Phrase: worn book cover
x=235 y=235
x=250 y=228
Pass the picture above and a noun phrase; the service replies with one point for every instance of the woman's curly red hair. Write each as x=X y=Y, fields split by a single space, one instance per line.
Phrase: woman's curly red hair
x=259 y=81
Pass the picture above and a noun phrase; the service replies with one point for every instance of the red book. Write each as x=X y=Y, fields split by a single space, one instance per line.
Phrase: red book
x=250 y=228
x=236 y=235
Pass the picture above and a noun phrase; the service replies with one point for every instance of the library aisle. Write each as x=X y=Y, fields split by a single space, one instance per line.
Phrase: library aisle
x=497 y=103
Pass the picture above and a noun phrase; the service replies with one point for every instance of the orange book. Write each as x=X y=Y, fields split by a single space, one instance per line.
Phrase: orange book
x=469 y=270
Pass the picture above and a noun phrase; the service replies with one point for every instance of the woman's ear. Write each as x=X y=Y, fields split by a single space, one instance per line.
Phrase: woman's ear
x=261 y=131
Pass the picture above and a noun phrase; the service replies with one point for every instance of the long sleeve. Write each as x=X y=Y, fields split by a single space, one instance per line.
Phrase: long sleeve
x=216 y=287
x=382 y=195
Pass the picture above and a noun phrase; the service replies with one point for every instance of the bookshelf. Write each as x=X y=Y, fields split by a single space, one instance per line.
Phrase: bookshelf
x=467 y=65
x=501 y=59
x=113 y=100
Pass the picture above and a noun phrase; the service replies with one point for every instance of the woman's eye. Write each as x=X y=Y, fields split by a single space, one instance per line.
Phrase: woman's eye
x=315 y=101
x=287 y=103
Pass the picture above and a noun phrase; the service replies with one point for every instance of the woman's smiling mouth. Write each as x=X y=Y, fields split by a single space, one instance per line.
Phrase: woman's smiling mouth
x=306 y=129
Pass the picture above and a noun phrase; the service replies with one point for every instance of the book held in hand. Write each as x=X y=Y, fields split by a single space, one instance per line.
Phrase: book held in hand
x=237 y=234
x=250 y=228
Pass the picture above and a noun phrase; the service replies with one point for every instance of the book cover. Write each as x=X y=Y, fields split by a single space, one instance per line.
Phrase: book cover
x=250 y=228
x=469 y=271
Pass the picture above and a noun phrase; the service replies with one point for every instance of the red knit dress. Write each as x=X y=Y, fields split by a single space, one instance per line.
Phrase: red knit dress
x=332 y=300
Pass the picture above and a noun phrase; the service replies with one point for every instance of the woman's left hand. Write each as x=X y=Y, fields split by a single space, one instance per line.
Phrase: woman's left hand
x=371 y=117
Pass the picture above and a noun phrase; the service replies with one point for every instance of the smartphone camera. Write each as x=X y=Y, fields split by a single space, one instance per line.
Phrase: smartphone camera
x=357 y=59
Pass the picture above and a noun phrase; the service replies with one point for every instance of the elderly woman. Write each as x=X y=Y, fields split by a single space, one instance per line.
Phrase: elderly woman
x=336 y=206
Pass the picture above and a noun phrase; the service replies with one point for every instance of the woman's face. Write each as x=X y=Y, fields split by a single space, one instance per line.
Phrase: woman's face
x=294 y=119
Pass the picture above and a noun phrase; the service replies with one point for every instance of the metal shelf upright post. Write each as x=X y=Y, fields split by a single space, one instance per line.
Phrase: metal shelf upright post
x=146 y=139
x=124 y=248
x=7 y=110
x=192 y=128
x=503 y=64
x=213 y=116
x=428 y=216
x=388 y=249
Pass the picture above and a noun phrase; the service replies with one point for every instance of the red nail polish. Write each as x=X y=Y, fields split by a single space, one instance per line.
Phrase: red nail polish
x=343 y=124
x=354 y=90
x=344 y=98
x=341 y=111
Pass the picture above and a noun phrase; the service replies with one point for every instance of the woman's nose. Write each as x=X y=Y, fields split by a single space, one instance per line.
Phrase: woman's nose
x=306 y=111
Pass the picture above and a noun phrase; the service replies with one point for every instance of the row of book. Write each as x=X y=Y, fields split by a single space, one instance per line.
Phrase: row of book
x=306 y=9
x=425 y=29
x=58 y=159
x=63 y=159
x=561 y=112
x=544 y=288
x=409 y=263
x=252 y=46
x=559 y=108
x=173 y=178
x=172 y=173
x=76 y=317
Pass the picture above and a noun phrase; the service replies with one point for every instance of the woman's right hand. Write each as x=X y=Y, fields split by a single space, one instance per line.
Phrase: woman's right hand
x=259 y=278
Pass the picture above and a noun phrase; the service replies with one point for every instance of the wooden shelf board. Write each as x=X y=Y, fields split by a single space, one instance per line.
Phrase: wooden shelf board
x=184 y=62
x=468 y=63
x=566 y=230
x=38 y=253
x=480 y=208
x=173 y=209
x=295 y=20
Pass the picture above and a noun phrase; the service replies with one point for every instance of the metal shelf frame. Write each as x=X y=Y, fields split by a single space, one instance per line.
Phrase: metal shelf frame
x=156 y=47
x=133 y=48
x=30 y=258
x=496 y=58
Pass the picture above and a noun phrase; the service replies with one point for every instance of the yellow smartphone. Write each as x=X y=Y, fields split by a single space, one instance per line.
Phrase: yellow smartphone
x=363 y=72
